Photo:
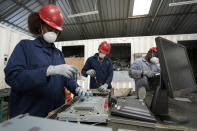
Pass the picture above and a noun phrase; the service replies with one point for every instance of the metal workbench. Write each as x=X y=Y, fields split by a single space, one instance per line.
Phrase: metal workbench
x=188 y=109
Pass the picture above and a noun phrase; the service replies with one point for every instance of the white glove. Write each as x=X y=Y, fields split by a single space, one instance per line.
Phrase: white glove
x=91 y=72
x=82 y=93
x=148 y=73
x=103 y=88
x=64 y=69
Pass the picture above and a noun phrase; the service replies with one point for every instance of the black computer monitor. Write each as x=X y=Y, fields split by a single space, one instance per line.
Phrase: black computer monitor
x=191 y=47
x=176 y=79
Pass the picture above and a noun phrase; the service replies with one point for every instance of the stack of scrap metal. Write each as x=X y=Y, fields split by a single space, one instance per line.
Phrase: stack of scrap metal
x=98 y=93
x=121 y=64
x=90 y=110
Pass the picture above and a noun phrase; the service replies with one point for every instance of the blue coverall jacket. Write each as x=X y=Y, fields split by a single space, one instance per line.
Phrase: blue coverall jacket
x=104 y=72
x=31 y=91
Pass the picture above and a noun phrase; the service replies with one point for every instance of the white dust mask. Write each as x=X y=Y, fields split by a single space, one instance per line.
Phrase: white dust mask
x=154 y=60
x=101 y=55
x=50 y=37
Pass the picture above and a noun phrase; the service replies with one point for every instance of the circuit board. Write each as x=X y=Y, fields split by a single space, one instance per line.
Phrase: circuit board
x=90 y=110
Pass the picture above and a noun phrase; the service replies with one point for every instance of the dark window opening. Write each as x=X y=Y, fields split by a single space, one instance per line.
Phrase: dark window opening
x=73 y=51
x=120 y=55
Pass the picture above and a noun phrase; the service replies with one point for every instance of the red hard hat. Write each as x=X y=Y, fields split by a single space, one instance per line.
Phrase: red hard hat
x=104 y=47
x=154 y=49
x=51 y=15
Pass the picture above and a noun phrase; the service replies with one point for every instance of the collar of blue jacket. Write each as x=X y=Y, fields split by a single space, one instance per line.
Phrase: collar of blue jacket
x=41 y=43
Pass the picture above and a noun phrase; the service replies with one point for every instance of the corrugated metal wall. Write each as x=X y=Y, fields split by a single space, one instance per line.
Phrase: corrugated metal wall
x=138 y=45
x=9 y=39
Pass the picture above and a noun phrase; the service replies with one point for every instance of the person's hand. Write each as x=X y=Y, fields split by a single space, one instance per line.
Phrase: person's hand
x=103 y=88
x=82 y=93
x=89 y=94
x=91 y=72
x=148 y=74
x=63 y=69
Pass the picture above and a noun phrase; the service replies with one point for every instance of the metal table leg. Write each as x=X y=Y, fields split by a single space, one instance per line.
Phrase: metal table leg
x=1 y=111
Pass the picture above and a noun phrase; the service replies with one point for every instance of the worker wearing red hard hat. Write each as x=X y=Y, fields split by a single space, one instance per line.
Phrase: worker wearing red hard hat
x=154 y=49
x=104 y=48
x=99 y=67
x=144 y=68
x=36 y=70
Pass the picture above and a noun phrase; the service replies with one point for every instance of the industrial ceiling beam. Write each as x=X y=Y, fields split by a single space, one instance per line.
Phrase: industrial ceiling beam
x=15 y=25
x=180 y=20
x=59 y=4
x=52 y=2
x=22 y=5
x=2 y=2
x=133 y=17
x=155 y=15
x=129 y=12
x=12 y=10
x=41 y=3
x=101 y=18
x=73 y=10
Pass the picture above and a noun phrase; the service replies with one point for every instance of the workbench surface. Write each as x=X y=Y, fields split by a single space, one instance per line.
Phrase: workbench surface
x=176 y=108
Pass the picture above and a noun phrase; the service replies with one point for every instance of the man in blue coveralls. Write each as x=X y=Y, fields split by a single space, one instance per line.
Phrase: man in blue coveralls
x=144 y=68
x=100 y=68
x=36 y=70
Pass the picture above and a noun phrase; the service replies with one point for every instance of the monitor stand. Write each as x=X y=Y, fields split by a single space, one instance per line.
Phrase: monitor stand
x=159 y=105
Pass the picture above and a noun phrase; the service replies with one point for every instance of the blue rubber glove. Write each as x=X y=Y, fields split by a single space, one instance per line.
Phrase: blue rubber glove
x=89 y=94
x=82 y=93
